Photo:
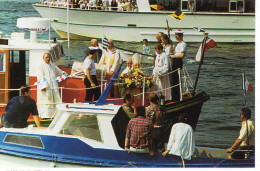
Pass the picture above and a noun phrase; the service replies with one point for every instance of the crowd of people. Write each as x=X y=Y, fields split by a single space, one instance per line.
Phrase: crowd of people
x=117 y=5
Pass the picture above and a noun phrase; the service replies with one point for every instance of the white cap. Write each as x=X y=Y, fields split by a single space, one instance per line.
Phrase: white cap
x=93 y=48
x=179 y=31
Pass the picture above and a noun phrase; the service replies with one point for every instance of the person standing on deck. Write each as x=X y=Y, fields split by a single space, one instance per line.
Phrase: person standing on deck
x=48 y=91
x=247 y=133
x=90 y=79
x=110 y=58
x=179 y=54
x=19 y=109
x=160 y=72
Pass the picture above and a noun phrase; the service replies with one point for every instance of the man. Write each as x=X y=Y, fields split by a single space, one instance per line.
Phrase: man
x=154 y=114
x=110 y=58
x=90 y=79
x=94 y=43
x=48 y=91
x=181 y=141
x=247 y=132
x=19 y=109
x=159 y=37
x=138 y=135
x=128 y=67
x=129 y=106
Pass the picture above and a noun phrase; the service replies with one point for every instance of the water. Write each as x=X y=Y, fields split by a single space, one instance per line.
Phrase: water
x=220 y=76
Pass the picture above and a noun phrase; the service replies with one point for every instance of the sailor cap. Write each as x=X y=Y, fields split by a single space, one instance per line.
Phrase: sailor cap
x=93 y=48
x=179 y=31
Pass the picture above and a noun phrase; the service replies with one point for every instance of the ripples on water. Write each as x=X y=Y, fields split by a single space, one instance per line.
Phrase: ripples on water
x=220 y=76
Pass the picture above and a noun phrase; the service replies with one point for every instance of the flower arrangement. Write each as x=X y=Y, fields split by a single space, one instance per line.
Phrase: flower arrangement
x=134 y=79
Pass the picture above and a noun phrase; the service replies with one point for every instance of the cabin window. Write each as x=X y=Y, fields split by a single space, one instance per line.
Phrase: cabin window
x=31 y=141
x=236 y=6
x=2 y=62
x=83 y=126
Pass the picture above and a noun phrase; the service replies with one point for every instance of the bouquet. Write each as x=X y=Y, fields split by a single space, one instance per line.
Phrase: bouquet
x=134 y=79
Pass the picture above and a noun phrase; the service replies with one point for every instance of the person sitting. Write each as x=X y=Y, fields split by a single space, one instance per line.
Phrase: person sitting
x=181 y=141
x=19 y=109
x=138 y=135
x=128 y=67
x=120 y=5
x=94 y=43
x=110 y=58
x=146 y=47
x=129 y=106
x=246 y=139
x=136 y=61
x=154 y=114
x=114 y=5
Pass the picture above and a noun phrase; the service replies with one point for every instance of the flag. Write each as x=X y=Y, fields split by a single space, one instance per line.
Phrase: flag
x=44 y=80
x=210 y=43
x=178 y=14
x=105 y=42
x=199 y=29
x=157 y=7
x=246 y=85
x=63 y=77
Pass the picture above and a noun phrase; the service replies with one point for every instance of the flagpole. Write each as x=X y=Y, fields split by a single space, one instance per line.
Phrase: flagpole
x=201 y=61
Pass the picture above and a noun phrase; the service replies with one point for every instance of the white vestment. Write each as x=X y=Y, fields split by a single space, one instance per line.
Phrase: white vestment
x=110 y=58
x=181 y=141
x=161 y=67
x=47 y=99
x=126 y=70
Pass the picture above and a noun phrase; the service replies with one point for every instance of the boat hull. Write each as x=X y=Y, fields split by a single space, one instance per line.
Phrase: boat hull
x=135 y=26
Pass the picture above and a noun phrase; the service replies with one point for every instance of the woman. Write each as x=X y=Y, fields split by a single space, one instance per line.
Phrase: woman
x=90 y=79
x=179 y=54
x=160 y=72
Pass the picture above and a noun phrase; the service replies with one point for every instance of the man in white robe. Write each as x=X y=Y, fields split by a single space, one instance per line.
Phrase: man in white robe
x=110 y=58
x=160 y=72
x=181 y=141
x=47 y=90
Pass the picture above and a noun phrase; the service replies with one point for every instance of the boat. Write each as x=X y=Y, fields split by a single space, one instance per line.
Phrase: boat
x=222 y=19
x=83 y=134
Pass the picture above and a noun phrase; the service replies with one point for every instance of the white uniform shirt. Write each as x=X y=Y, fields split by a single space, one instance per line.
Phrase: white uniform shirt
x=181 y=141
x=181 y=47
x=89 y=64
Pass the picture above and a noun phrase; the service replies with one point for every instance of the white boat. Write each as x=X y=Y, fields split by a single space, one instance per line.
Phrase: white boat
x=221 y=18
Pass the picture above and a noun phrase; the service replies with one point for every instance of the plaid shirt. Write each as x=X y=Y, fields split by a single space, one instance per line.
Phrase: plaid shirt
x=139 y=132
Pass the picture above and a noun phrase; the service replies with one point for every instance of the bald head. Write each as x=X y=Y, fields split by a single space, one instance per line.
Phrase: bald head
x=159 y=37
x=94 y=42
x=46 y=58
x=111 y=44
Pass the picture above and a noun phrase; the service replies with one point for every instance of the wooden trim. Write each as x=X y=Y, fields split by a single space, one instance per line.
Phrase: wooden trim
x=7 y=77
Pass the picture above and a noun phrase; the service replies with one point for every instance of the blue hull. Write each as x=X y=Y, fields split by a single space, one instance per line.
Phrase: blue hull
x=76 y=152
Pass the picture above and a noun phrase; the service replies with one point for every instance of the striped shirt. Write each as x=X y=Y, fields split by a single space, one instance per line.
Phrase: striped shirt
x=139 y=132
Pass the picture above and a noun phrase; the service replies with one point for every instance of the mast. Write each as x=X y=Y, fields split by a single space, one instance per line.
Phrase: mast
x=201 y=61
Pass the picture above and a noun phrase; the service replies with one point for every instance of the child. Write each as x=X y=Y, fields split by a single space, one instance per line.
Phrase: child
x=146 y=47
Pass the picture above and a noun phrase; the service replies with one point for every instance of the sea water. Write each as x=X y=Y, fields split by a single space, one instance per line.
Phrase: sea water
x=220 y=76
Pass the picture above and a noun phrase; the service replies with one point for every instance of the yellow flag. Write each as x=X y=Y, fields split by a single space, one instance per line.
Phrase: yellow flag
x=178 y=14
x=157 y=7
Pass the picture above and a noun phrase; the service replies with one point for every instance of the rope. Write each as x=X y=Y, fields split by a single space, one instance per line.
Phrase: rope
x=183 y=162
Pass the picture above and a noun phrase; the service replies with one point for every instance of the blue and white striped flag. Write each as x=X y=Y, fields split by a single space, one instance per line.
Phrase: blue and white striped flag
x=105 y=42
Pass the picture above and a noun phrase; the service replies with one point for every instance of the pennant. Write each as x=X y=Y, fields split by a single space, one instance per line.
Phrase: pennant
x=199 y=29
x=44 y=80
x=157 y=7
x=209 y=44
x=246 y=85
x=178 y=14
x=61 y=78
x=105 y=42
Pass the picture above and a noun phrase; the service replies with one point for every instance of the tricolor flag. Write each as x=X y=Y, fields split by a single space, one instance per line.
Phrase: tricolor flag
x=44 y=80
x=105 y=42
x=246 y=85
x=178 y=14
x=63 y=77
x=157 y=7
x=210 y=43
